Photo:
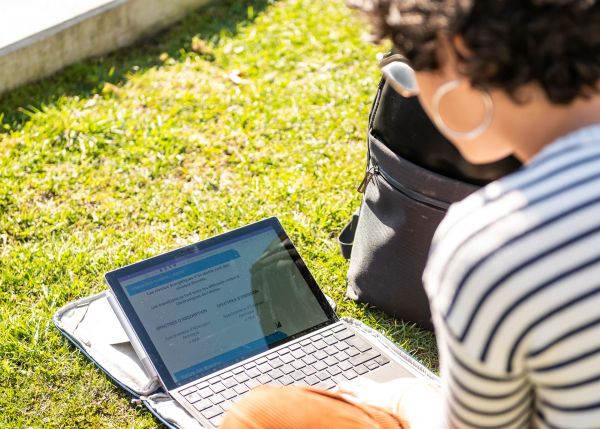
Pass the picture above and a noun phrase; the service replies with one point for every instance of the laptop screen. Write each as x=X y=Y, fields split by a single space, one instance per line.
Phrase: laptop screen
x=204 y=307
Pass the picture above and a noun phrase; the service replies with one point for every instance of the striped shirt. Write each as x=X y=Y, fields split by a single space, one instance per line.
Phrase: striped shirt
x=514 y=285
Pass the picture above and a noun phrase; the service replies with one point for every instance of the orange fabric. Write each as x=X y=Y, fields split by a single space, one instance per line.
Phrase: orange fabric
x=270 y=407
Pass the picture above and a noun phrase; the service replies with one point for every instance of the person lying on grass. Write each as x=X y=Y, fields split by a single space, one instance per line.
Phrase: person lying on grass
x=513 y=276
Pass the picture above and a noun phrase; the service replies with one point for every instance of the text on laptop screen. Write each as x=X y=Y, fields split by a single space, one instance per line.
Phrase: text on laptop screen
x=209 y=309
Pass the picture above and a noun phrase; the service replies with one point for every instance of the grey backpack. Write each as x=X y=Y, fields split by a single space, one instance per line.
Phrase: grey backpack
x=413 y=175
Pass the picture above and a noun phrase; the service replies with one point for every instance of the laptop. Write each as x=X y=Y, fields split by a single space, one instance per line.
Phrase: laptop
x=217 y=318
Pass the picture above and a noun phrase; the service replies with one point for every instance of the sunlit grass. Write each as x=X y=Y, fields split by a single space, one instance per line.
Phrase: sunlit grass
x=246 y=109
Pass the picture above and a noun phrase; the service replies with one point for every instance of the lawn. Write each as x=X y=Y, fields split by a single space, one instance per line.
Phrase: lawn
x=244 y=110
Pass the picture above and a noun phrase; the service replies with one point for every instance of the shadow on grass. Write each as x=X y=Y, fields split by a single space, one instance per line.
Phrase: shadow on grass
x=88 y=77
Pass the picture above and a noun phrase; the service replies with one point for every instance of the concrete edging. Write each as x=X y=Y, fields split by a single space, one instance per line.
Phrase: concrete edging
x=96 y=32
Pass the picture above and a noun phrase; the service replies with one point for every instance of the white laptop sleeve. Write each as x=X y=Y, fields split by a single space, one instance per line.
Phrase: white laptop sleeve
x=91 y=325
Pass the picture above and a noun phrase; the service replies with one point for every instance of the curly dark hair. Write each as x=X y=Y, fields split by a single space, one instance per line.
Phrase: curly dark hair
x=554 y=43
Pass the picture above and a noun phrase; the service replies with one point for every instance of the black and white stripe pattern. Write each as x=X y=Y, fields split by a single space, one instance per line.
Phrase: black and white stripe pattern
x=514 y=285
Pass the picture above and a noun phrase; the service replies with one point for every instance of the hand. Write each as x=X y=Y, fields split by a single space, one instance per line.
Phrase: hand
x=417 y=401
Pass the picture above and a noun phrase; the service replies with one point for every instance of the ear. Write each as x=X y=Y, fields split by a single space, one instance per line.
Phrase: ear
x=460 y=48
x=448 y=55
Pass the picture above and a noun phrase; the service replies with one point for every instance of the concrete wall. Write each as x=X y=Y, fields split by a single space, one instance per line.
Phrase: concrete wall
x=117 y=25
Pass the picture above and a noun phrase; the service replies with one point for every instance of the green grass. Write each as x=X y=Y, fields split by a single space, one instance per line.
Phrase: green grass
x=244 y=110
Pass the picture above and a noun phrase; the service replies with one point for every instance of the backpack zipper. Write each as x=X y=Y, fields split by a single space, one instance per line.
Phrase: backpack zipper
x=365 y=181
x=423 y=199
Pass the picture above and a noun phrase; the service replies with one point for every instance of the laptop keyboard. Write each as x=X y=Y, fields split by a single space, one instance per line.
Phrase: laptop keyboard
x=323 y=360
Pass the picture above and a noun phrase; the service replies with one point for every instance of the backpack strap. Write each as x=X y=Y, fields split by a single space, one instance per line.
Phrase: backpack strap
x=346 y=237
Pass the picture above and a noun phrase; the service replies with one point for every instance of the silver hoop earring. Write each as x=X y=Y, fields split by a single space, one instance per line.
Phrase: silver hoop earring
x=460 y=135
